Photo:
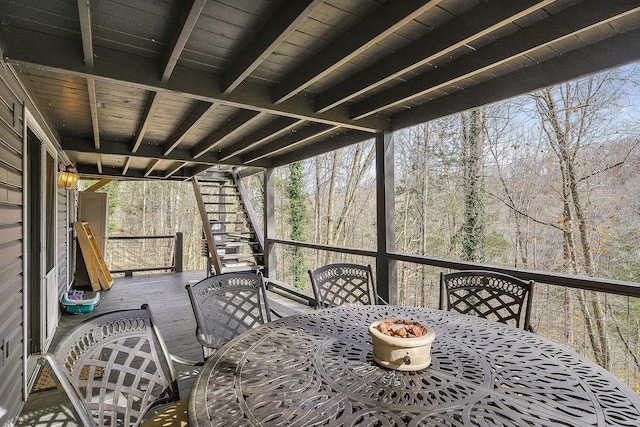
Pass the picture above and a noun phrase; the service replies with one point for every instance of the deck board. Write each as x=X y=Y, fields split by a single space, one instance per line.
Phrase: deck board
x=169 y=303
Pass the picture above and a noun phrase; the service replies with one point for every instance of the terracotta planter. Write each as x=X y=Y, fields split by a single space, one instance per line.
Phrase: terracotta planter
x=402 y=354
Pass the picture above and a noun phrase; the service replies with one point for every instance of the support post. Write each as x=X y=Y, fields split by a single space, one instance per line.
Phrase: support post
x=269 y=224
x=386 y=274
x=178 y=253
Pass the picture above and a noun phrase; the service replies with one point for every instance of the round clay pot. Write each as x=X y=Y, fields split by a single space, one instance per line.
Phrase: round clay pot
x=402 y=354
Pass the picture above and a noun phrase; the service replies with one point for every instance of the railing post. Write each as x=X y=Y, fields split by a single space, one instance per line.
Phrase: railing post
x=385 y=186
x=178 y=252
x=269 y=223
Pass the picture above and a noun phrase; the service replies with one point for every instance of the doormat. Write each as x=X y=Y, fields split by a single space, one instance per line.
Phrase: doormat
x=45 y=380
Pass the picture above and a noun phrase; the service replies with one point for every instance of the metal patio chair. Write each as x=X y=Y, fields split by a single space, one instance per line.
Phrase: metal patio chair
x=226 y=305
x=340 y=284
x=491 y=295
x=114 y=368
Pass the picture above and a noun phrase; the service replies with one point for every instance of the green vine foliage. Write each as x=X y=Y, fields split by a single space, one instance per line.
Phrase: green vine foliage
x=298 y=219
x=474 y=228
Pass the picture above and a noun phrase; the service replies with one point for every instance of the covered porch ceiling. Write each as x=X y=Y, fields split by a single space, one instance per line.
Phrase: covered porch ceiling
x=167 y=88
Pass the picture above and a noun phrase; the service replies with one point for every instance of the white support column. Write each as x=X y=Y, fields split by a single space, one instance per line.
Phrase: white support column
x=386 y=273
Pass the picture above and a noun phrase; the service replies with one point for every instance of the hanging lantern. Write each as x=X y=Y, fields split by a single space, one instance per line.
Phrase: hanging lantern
x=68 y=178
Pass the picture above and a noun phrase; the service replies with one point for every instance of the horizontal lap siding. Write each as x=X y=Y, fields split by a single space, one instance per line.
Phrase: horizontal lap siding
x=11 y=246
x=63 y=236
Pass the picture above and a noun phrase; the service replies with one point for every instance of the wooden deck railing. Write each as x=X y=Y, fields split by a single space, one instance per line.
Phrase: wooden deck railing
x=596 y=317
x=131 y=254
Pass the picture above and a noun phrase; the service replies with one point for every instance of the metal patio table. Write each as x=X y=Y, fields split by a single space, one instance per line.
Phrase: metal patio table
x=317 y=368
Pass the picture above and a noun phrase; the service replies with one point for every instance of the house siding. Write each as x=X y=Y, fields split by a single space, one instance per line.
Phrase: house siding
x=11 y=248
x=13 y=99
x=64 y=202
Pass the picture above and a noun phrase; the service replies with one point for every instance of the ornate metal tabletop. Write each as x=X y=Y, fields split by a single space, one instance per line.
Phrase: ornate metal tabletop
x=317 y=368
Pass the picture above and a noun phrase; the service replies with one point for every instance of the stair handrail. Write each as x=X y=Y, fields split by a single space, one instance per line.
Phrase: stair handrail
x=213 y=253
x=257 y=228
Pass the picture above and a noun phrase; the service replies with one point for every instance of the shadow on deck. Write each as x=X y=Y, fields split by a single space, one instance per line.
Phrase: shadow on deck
x=169 y=302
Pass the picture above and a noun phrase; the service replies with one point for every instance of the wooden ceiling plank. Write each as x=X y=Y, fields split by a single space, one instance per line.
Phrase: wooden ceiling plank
x=270 y=131
x=59 y=55
x=232 y=128
x=565 y=24
x=382 y=22
x=276 y=30
x=299 y=137
x=181 y=37
x=195 y=116
x=475 y=24
x=613 y=52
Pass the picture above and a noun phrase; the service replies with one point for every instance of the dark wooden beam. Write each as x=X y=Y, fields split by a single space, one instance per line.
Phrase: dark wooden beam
x=299 y=137
x=145 y=121
x=59 y=55
x=565 y=24
x=191 y=13
x=127 y=165
x=118 y=148
x=612 y=52
x=276 y=30
x=90 y=171
x=463 y=30
x=93 y=106
x=174 y=168
x=333 y=142
x=195 y=116
x=230 y=130
x=86 y=32
x=273 y=130
x=151 y=168
x=386 y=19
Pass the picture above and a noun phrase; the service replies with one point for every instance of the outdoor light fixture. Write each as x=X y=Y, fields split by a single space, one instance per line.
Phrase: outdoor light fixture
x=68 y=178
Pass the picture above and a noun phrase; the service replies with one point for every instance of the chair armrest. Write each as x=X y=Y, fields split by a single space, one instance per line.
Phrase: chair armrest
x=187 y=362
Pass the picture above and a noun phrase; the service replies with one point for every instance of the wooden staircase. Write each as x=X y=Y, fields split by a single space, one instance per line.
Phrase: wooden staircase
x=228 y=225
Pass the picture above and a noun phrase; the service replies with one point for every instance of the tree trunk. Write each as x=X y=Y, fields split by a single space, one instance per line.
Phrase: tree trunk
x=473 y=164
x=566 y=144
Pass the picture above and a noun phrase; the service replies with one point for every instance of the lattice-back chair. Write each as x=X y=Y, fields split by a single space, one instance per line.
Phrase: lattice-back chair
x=491 y=295
x=226 y=305
x=341 y=284
x=114 y=367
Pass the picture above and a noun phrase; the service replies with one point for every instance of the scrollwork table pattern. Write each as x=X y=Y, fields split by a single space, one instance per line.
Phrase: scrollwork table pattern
x=317 y=368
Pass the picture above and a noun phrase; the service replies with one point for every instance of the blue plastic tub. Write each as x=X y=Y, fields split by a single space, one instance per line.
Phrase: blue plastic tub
x=73 y=304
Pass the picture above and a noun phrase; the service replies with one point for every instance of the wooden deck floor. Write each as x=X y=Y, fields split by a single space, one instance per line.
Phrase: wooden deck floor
x=169 y=302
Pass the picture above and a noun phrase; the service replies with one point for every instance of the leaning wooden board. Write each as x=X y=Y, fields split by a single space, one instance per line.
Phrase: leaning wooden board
x=99 y=274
